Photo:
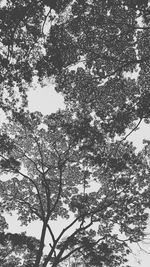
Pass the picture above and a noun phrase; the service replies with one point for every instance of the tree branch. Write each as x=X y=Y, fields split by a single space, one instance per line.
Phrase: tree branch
x=70 y=253
x=32 y=209
x=48 y=13
x=38 y=192
x=51 y=233
x=59 y=192
x=124 y=138
x=132 y=130
x=145 y=251
x=26 y=156
x=46 y=186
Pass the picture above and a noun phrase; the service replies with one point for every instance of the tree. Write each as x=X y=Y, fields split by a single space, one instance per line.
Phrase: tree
x=52 y=164
x=105 y=35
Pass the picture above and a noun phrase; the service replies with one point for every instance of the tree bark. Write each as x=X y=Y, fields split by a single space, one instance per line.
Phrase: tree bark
x=40 y=251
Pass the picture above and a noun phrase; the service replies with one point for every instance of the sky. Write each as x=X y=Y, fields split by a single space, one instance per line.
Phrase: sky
x=46 y=100
x=137 y=137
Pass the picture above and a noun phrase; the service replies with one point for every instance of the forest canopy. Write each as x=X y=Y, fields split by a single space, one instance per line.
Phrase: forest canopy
x=98 y=54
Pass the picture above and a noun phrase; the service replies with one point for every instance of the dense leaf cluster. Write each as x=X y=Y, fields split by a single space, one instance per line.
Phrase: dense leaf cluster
x=16 y=247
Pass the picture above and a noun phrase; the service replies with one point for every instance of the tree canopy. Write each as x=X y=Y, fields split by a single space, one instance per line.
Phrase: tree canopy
x=98 y=53
x=46 y=38
x=52 y=167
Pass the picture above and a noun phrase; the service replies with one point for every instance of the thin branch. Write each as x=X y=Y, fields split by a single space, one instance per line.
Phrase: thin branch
x=134 y=129
x=38 y=192
x=123 y=139
x=40 y=152
x=66 y=243
x=57 y=240
x=45 y=19
x=123 y=240
x=145 y=251
x=59 y=192
x=26 y=156
x=70 y=253
x=51 y=233
x=32 y=162
x=78 y=249
x=53 y=250
x=47 y=189
x=66 y=228
x=80 y=229
x=33 y=210
x=35 y=185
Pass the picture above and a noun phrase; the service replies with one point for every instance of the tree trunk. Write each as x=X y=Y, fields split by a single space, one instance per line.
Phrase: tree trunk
x=40 y=251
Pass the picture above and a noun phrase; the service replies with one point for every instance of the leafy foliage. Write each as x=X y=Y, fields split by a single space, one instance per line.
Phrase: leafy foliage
x=103 y=35
x=58 y=162
x=15 y=247
x=55 y=165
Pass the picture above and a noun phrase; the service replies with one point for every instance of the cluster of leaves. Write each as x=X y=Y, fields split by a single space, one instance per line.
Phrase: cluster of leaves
x=16 y=247
x=18 y=240
x=6 y=144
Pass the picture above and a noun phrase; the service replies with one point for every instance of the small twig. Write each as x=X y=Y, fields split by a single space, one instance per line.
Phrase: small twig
x=132 y=130
x=45 y=20
x=123 y=139
x=145 y=251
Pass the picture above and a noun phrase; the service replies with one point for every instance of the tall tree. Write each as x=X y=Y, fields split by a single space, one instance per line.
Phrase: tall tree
x=111 y=40
x=53 y=165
